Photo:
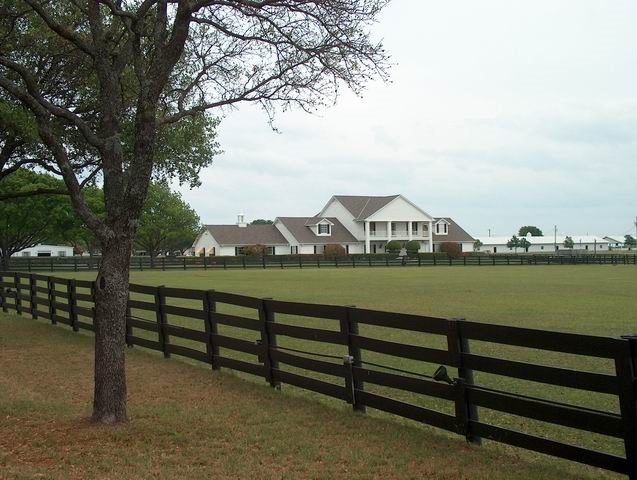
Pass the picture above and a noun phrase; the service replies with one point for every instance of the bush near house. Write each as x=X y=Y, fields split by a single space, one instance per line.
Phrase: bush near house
x=412 y=247
x=393 y=246
x=334 y=250
x=452 y=249
x=255 y=250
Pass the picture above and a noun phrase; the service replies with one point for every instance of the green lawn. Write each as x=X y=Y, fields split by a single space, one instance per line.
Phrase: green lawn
x=599 y=300
x=189 y=423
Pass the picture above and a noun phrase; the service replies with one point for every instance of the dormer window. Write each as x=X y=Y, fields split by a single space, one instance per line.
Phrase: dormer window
x=324 y=229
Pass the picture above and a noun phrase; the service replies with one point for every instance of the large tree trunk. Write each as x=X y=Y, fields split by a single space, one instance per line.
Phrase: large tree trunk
x=111 y=298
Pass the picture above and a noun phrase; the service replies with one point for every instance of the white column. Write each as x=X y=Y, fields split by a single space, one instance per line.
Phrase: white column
x=367 y=239
x=409 y=232
x=431 y=237
x=388 y=231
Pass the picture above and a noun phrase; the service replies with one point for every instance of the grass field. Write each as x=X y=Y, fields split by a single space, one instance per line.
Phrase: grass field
x=599 y=300
x=189 y=423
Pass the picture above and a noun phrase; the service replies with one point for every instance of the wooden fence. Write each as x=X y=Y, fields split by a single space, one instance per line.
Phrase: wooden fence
x=53 y=264
x=343 y=352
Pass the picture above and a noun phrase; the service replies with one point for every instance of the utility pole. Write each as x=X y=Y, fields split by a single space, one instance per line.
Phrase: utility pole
x=555 y=238
x=490 y=229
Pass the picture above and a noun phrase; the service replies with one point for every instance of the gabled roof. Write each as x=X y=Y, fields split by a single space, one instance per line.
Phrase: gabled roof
x=455 y=232
x=362 y=206
x=300 y=230
x=248 y=235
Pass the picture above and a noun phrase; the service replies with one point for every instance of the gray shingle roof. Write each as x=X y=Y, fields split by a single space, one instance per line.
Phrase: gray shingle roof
x=249 y=235
x=298 y=227
x=456 y=233
x=362 y=206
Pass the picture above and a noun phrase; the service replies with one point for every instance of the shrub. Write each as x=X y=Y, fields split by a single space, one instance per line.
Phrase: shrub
x=452 y=249
x=392 y=246
x=412 y=247
x=255 y=250
x=334 y=250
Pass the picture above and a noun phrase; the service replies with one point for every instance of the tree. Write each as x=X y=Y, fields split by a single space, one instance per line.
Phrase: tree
x=477 y=245
x=334 y=250
x=167 y=222
x=524 y=244
x=452 y=249
x=412 y=247
x=119 y=74
x=393 y=246
x=261 y=221
x=630 y=241
x=568 y=242
x=534 y=231
x=514 y=242
x=25 y=222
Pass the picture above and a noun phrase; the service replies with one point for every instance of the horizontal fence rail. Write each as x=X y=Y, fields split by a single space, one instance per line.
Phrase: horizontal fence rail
x=80 y=263
x=339 y=365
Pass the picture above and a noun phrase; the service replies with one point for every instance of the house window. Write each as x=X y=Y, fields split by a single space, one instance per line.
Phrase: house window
x=347 y=249
x=446 y=227
x=44 y=253
x=239 y=251
x=61 y=253
x=542 y=247
x=437 y=228
x=414 y=227
x=323 y=229
x=26 y=254
x=372 y=228
x=314 y=249
x=294 y=250
x=269 y=250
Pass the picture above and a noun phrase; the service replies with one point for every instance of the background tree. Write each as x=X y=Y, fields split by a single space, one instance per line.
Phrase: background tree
x=334 y=250
x=534 y=231
x=393 y=246
x=167 y=223
x=568 y=242
x=477 y=245
x=514 y=243
x=120 y=74
x=412 y=247
x=261 y=221
x=524 y=244
x=630 y=241
x=452 y=249
x=25 y=222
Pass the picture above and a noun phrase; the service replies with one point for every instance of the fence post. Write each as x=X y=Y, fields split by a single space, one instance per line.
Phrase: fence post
x=354 y=359
x=268 y=341
x=318 y=261
x=205 y=262
x=626 y=369
x=18 y=296
x=457 y=344
x=243 y=261
x=210 y=325
x=52 y=310
x=164 y=339
x=29 y=263
x=281 y=260
x=163 y=263
x=3 y=295
x=300 y=261
x=224 y=263
x=185 y=263
x=33 y=296
x=72 y=300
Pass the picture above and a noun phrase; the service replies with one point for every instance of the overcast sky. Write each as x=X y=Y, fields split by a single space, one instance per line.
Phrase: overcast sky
x=500 y=113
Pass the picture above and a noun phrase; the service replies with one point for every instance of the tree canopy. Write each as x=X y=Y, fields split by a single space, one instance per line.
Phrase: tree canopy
x=630 y=241
x=261 y=221
x=514 y=242
x=534 y=231
x=25 y=222
x=568 y=242
x=167 y=223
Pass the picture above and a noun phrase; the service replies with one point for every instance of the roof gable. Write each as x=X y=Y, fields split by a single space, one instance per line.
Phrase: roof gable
x=361 y=206
x=303 y=234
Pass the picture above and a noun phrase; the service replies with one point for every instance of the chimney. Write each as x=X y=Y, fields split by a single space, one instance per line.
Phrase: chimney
x=240 y=221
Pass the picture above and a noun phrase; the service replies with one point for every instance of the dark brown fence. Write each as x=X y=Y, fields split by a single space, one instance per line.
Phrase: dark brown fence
x=343 y=363
x=56 y=264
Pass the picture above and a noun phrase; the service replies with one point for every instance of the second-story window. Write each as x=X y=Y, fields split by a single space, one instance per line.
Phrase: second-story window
x=446 y=228
x=372 y=227
x=414 y=227
x=323 y=229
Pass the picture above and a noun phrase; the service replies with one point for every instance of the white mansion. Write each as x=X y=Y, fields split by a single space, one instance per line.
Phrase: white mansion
x=361 y=224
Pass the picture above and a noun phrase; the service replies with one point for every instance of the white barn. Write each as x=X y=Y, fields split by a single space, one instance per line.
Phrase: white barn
x=582 y=243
